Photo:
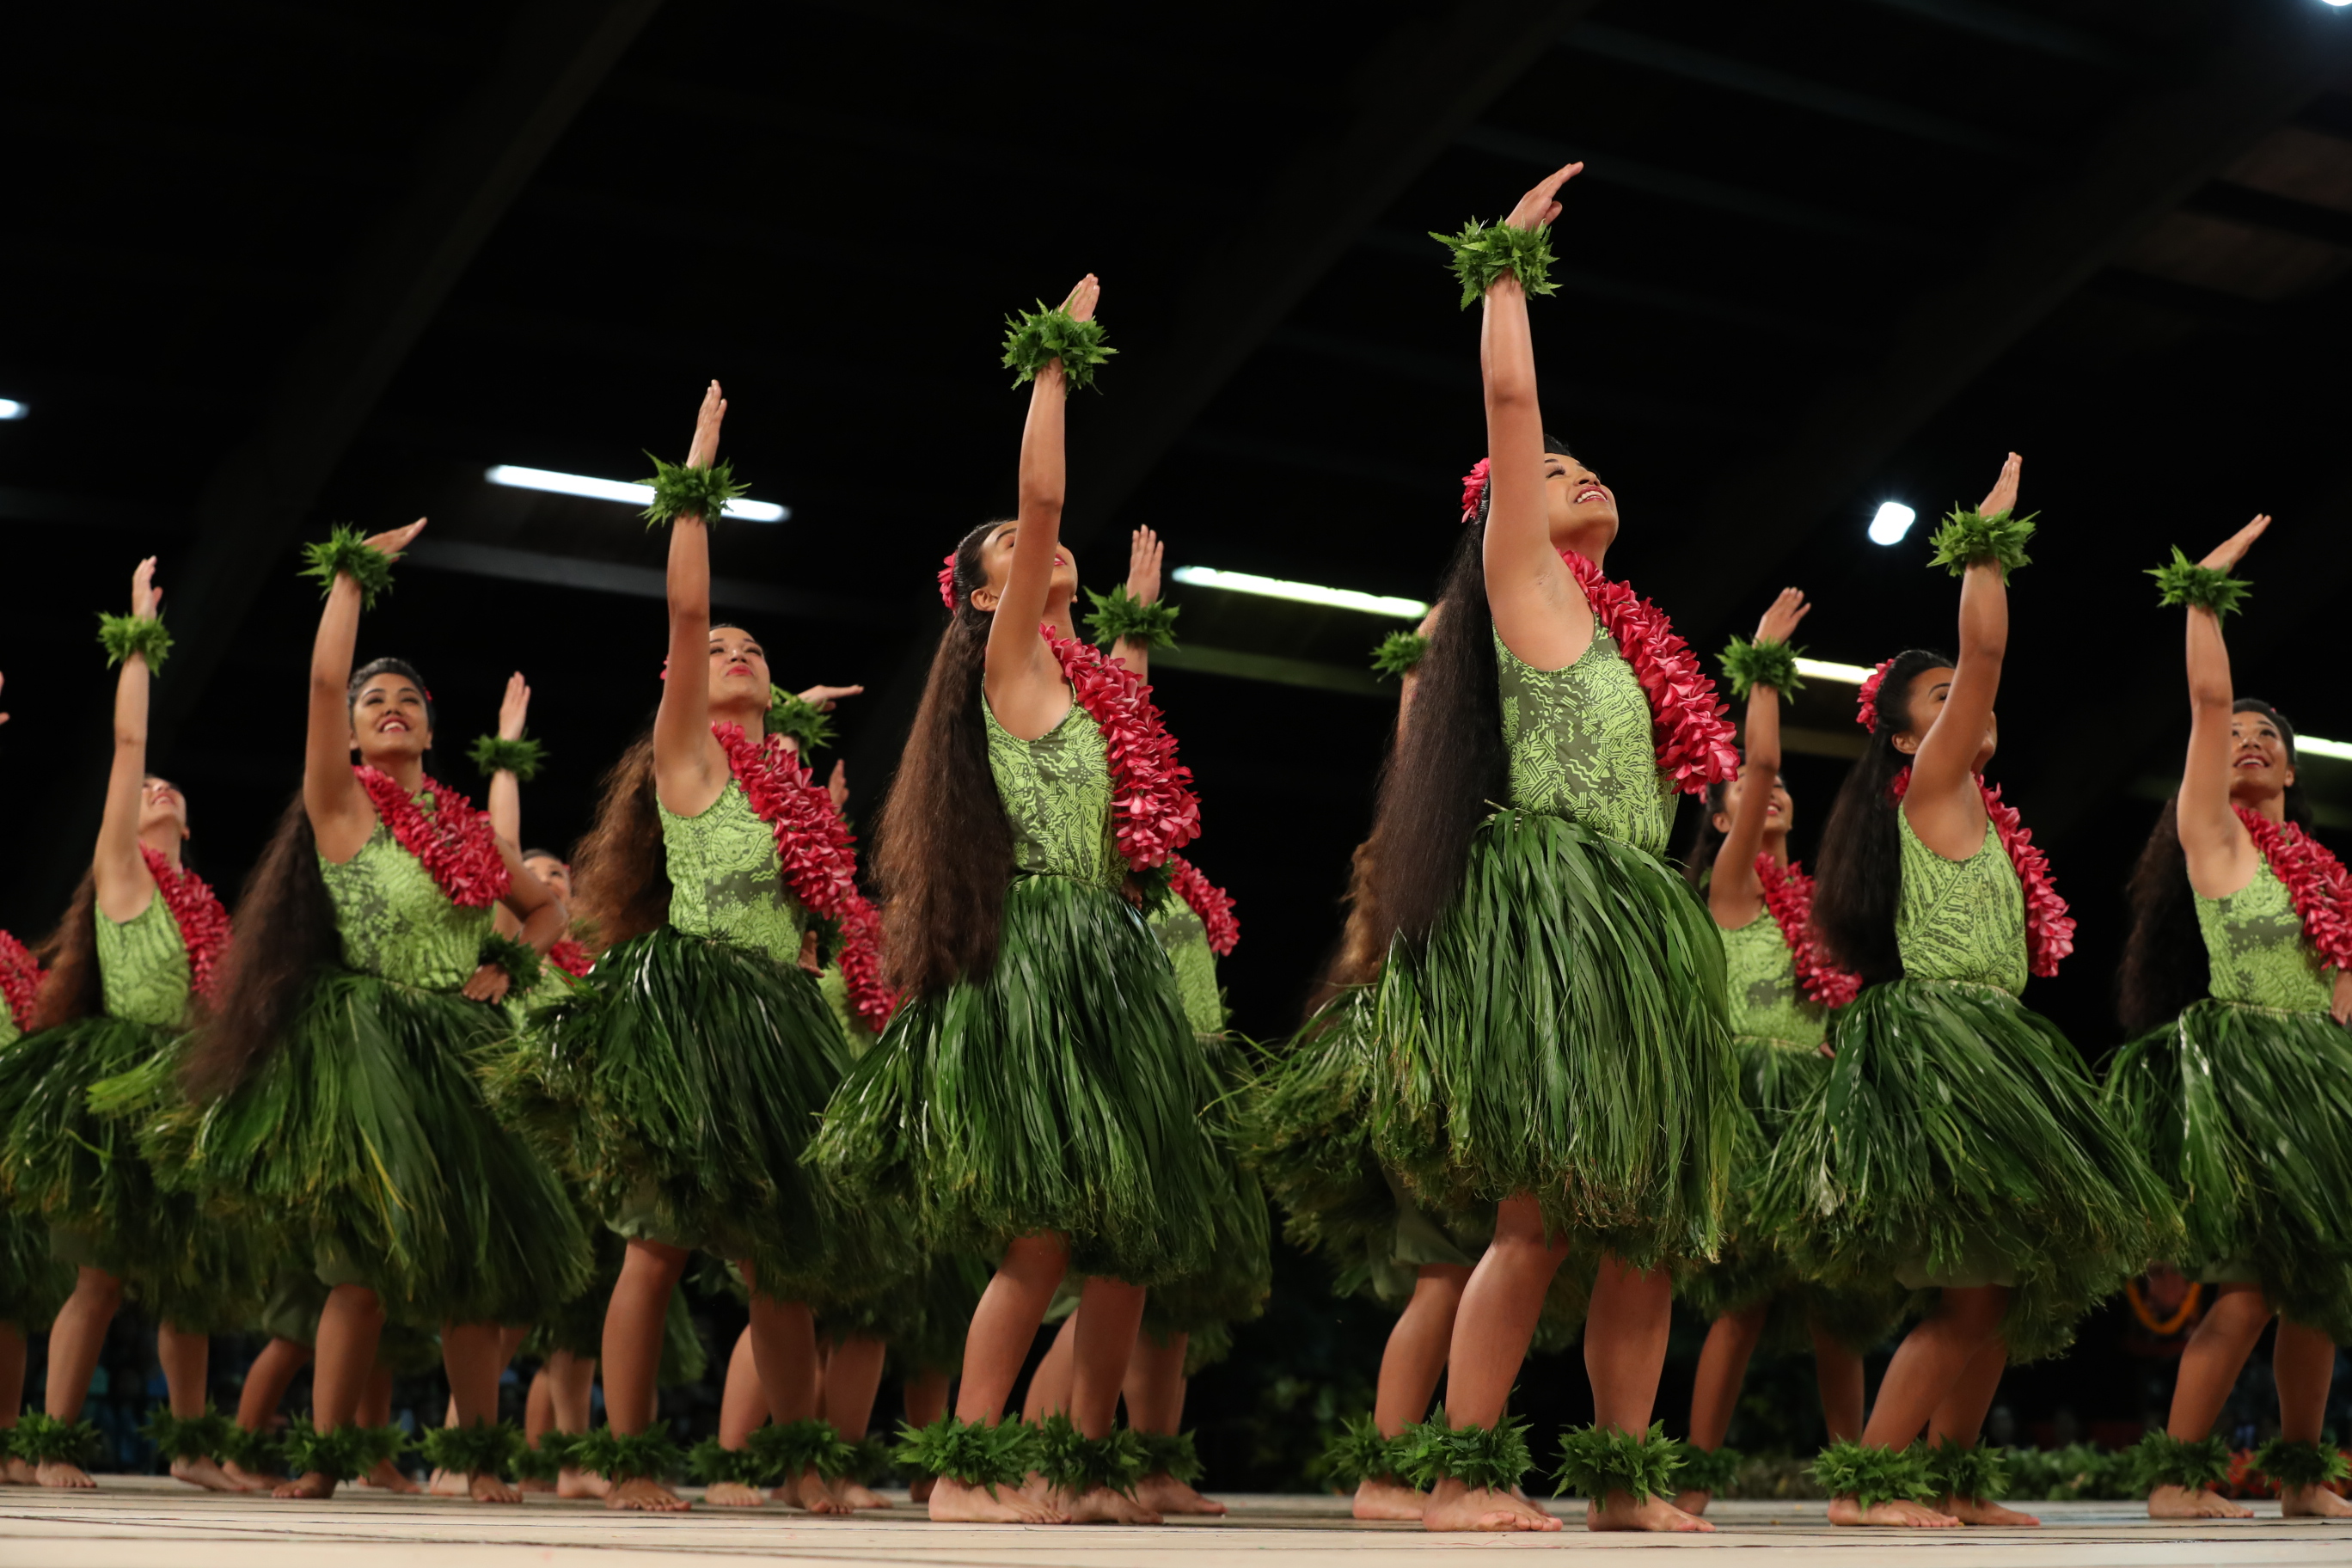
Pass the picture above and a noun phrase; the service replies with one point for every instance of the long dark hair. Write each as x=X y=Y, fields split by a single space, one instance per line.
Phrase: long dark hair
x=1450 y=765
x=620 y=874
x=1705 y=839
x=283 y=933
x=71 y=989
x=1859 y=885
x=2165 y=967
x=942 y=844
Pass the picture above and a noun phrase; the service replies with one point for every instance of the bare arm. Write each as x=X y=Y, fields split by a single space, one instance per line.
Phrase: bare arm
x=1734 y=893
x=543 y=920
x=1144 y=553
x=505 y=801
x=1943 y=804
x=690 y=767
x=342 y=816
x=2220 y=852
x=124 y=884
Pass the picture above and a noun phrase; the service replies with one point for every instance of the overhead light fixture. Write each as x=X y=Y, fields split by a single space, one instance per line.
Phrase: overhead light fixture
x=12 y=409
x=1843 y=674
x=548 y=479
x=2340 y=750
x=1892 y=521
x=1302 y=592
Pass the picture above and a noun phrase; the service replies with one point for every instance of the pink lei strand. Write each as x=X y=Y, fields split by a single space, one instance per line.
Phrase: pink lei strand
x=204 y=924
x=456 y=844
x=1790 y=896
x=815 y=858
x=571 y=956
x=20 y=979
x=1211 y=902
x=1151 y=793
x=2049 y=929
x=2316 y=883
x=1686 y=723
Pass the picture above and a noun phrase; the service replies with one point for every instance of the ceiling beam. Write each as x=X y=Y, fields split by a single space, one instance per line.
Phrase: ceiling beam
x=581 y=572
x=2165 y=143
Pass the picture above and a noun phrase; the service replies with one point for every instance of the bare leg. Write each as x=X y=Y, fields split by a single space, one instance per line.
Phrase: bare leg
x=993 y=1349
x=14 y=1472
x=75 y=1341
x=1837 y=1370
x=1715 y=1392
x=743 y=1410
x=1109 y=1316
x=266 y=1382
x=475 y=1355
x=185 y=1359
x=1410 y=1367
x=1154 y=1391
x=633 y=1335
x=571 y=1387
x=784 y=1340
x=1491 y=1334
x=1624 y=1351
x=1926 y=1367
x=926 y=1399
x=538 y=1420
x=349 y=1326
x=1961 y=1418
x=1049 y=1385
x=2302 y=1362
x=2210 y=1364
x=853 y=1375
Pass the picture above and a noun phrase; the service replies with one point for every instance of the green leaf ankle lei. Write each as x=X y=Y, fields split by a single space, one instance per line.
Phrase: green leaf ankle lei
x=683 y=491
x=1710 y=1470
x=622 y=1457
x=713 y=1464
x=2298 y=1466
x=1966 y=539
x=348 y=550
x=789 y=1448
x=1078 y=1464
x=1486 y=1458
x=545 y=1460
x=254 y=1453
x=1400 y=654
x=809 y=725
x=1121 y=615
x=1596 y=1461
x=1357 y=1453
x=479 y=1448
x=1874 y=1476
x=42 y=1438
x=967 y=1452
x=1482 y=253
x=874 y=1462
x=1764 y=662
x=1973 y=1471
x=2161 y=1459
x=1035 y=338
x=122 y=635
x=2181 y=581
x=519 y=756
x=1171 y=1454
x=334 y=1455
x=204 y=1437
x=520 y=960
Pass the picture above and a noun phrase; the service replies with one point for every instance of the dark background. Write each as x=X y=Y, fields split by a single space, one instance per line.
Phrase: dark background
x=275 y=266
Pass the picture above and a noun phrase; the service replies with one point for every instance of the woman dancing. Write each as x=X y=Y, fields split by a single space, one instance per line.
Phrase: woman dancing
x=1956 y=1143
x=1036 y=1098
x=334 y=1085
x=2244 y=1099
x=1552 y=1004
x=142 y=936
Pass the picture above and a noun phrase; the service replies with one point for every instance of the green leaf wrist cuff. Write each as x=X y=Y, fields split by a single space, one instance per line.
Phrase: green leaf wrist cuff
x=1764 y=662
x=1400 y=654
x=681 y=491
x=122 y=635
x=810 y=726
x=2181 y=581
x=1966 y=539
x=519 y=756
x=520 y=960
x=1120 y=615
x=1035 y=338
x=1483 y=254
x=346 y=549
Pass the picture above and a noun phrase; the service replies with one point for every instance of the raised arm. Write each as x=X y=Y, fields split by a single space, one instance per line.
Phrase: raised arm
x=504 y=803
x=2220 y=851
x=341 y=816
x=1733 y=893
x=1943 y=803
x=124 y=884
x=1144 y=555
x=690 y=767
x=1539 y=611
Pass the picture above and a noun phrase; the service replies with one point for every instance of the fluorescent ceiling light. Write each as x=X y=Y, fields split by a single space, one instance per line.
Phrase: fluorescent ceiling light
x=1303 y=593
x=1844 y=674
x=2340 y=750
x=614 y=490
x=1892 y=521
x=12 y=409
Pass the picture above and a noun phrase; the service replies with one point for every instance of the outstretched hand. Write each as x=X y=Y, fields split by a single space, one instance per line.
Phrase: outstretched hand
x=1779 y=622
x=394 y=541
x=706 y=420
x=1143 y=556
x=1540 y=205
x=822 y=698
x=1080 y=305
x=514 y=707
x=2226 y=555
x=487 y=984
x=2003 y=497
x=145 y=597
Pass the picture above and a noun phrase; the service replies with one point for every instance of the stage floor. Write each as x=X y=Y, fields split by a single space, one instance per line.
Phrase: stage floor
x=150 y=1520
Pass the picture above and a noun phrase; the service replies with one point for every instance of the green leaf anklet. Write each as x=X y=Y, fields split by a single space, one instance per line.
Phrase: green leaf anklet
x=713 y=1464
x=1483 y=254
x=122 y=635
x=334 y=1455
x=42 y=1438
x=793 y=1446
x=1485 y=1458
x=1400 y=654
x=1971 y=1471
x=1121 y=615
x=2181 y=581
x=1595 y=1461
x=2161 y=1459
x=1035 y=338
x=481 y=1448
x=1709 y=1470
x=1764 y=662
x=974 y=1454
x=1171 y=1454
x=1966 y=539
x=348 y=550
x=622 y=1457
x=254 y=1453
x=1078 y=1464
x=519 y=756
x=1873 y=1476
x=2301 y=1466
x=1357 y=1453
x=204 y=1437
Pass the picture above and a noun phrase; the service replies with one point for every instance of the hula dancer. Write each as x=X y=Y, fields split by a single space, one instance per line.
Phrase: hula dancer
x=142 y=936
x=687 y=1071
x=1779 y=990
x=1956 y=1143
x=336 y=1079
x=1037 y=1096
x=1551 y=1012
x=2244 y=1099
x=33 y=1283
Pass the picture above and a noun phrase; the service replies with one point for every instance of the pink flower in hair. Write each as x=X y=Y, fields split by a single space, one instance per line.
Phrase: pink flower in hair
x=947 y=583
x=1867 y=701
x=1474 y=490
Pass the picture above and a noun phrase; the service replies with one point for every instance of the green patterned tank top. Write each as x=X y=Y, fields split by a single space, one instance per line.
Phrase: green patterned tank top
x=1761 y=975
x=1581 y=745
x=2254 y=941
x=1185 y=941
x=726 y=881
x=1057 y=791
x=143 y=966
x=1961 y=920
x=394 y=921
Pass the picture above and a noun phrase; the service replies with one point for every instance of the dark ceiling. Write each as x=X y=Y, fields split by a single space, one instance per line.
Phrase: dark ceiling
x=279 y=265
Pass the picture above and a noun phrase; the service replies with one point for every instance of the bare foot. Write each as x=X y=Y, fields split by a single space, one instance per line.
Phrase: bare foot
x=2181 y=1502
x=202 y=1471
x=485 y=1488
x=1166 y=1494
x=808 y=1493
x=577 y=1483
x=1618 y=1511
x=1388 y=1498
x=386 y=1476
x=1693 y=1503
x=2313 y=1503
x=444 y=1483
x=312 y=1486
x=854 y=1494
x=1976 y=1511
x=15 y=1472
x=57 y=1473
x=955 y=1503
x=733 y=1494
x=1103 y=1506
x=920 y=1490
x=1898 y=1514
x=250 y=1480
x=534 y=1484
x=644 y=1495
x=1452 y=1506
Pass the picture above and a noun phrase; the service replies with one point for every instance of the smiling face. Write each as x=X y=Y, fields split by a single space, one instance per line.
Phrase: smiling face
x=1582 y=510
x=1780 y=811
x=2260 y=771
x=996 y=560
x=162 y=808
x=551 y=871
x=739 y=671
x=388 y=720
x=1925 y=703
